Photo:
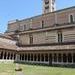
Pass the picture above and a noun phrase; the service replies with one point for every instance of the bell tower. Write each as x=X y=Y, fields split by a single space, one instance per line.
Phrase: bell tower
x=48 y=6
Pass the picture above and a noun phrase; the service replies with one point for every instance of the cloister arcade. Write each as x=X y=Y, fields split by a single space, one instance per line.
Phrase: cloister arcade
x=56 y=57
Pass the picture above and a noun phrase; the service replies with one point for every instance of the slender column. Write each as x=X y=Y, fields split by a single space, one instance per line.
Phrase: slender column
x=72 y=58
x=67 y=57
x=52 y=58
x=36 y=57
x=33 y=56
x=30 y=56
x=10 y=56
x=0 y=55
x=13 y=57
x=44 y=57
x=6 y=55
x=61 y=58
x=24 y=57
x=3 y=55
x=21 y=56
x=57 y=58
x=48 y=57
x=40 y=57
x=27 y=56
x=17 y=57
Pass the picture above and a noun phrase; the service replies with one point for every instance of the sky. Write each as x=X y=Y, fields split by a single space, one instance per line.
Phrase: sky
x=21 y=9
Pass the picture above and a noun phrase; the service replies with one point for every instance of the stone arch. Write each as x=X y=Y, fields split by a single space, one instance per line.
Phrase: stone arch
x=5 y=55
x=59 y=57
x=64 y=58
x=55 y=57
x=8 y=56
x=69 y=57
x=1 y=57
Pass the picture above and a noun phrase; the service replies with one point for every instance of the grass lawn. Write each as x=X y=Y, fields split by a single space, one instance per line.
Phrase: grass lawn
x=9 y=69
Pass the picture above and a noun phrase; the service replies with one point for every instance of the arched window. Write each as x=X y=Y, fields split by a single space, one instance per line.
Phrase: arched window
x=59 y=57
x=31 y=39
x=69 y=58
x=55 y=57
x=64 y=58
x=60 y=37
x=71 y=18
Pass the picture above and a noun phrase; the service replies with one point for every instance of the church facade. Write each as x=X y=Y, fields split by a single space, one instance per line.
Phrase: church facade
x=44 y=39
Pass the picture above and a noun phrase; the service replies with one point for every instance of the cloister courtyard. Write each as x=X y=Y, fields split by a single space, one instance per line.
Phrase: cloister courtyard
x=9 y=69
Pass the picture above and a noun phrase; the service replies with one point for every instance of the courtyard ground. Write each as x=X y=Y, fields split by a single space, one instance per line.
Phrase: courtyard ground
x=9 y=69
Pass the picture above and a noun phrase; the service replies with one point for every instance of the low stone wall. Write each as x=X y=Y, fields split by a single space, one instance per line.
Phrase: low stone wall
x=6 y=61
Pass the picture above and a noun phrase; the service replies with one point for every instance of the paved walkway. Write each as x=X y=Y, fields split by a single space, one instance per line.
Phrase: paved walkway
x=20 y=73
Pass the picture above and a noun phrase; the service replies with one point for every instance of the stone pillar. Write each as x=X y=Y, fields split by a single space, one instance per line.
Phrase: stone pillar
x=10 y=56
x=24 y=58
x=72 y=58
x=57 y=58
x=17 y=57
x=30 y=57
x=0 y=55
x=27 y=56
x=48 y=57
x=61 y=58
x=40 y=58
x=52 y=58
x=44 y=57
x=13 y=57
x=67 y=57
x=3 y=55
x=6 y=55
x=33 y=56
x=36 y=57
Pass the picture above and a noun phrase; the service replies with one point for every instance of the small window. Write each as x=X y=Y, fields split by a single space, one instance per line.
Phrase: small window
x=24 y=27
x=71 y=18
x=59 y=37
x=46 y=2
x=47 y=7
x=31 y=39
x=42 y=24
x=53 y=1
x=21 y=28
x=53 y=8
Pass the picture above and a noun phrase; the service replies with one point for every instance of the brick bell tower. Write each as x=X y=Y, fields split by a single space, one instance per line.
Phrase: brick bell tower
x=48 y=6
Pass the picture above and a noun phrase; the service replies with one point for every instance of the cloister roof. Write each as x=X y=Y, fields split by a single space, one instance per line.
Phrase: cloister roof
x=57 y=47
x=7 y=44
